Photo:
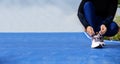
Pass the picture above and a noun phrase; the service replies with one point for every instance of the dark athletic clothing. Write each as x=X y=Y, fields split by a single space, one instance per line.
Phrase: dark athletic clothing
x=103 y=8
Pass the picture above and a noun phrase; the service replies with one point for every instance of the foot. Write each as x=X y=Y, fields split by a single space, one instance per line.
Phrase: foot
x=101 y=39
x=97 y=41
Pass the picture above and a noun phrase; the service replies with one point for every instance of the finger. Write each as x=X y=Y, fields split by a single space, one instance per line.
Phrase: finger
x=102 y=32
x=102 y=29
x=93 y=32
x=90 y=33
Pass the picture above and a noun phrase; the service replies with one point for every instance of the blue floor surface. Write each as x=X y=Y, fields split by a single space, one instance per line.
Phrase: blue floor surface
x=55 y=48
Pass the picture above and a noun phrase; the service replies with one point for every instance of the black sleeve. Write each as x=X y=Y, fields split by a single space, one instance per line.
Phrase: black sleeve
x=111 y=12
x=81 y=14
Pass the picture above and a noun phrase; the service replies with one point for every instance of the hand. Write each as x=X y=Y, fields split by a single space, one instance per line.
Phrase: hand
x=90 y=30
x=103 y=29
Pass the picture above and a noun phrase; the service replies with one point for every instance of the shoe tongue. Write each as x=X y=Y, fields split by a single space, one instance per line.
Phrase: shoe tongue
x=94 y=37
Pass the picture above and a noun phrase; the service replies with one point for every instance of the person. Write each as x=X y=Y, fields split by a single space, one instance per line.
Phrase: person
x=97 y=18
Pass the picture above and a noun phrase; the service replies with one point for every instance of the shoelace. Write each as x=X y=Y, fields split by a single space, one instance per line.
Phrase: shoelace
x=96 y=38
x=100 y=37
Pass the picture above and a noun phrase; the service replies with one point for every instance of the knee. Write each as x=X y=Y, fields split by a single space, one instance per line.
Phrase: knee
x=113 y=29
x=114 y=26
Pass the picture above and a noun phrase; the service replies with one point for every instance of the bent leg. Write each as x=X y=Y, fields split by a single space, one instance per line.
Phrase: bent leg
x=89 y=12
x=112 y=29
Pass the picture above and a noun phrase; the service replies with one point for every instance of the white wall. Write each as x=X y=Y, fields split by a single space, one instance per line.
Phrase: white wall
x=39 y=16
x=118 y=12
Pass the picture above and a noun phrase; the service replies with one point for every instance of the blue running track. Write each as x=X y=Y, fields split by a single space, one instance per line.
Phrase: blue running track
x=55 y=48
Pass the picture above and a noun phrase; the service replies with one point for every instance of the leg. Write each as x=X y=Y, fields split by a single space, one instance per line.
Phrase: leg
x=89 y=12
x=112 y=29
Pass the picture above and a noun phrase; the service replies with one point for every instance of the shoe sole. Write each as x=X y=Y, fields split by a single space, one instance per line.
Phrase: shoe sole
x=100 y=46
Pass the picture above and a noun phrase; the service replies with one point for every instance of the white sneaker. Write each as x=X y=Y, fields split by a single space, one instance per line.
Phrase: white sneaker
x=97 y=41
x=101 y=39
x=96 y=44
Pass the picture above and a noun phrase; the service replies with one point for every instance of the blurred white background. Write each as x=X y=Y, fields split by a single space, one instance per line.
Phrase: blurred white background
x=39 y=16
